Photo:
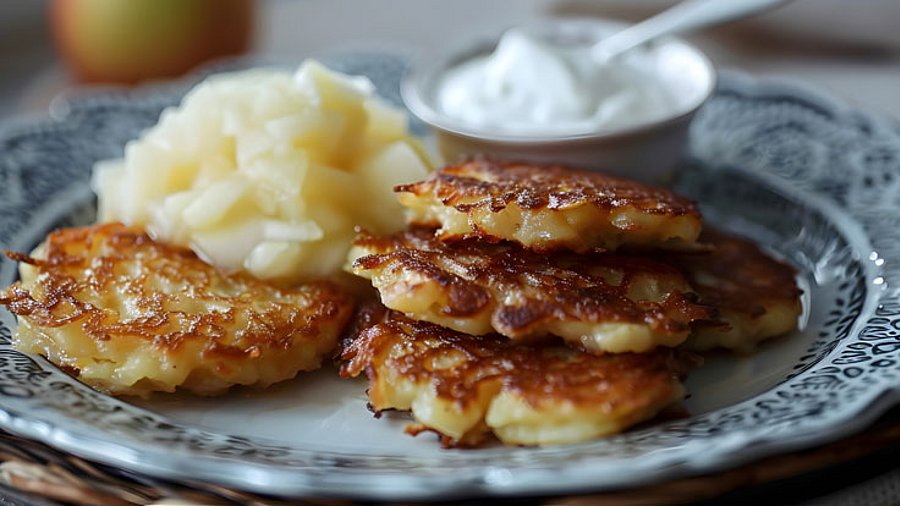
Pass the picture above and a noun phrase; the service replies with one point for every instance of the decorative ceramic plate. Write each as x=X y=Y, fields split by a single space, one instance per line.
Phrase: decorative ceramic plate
x=815 y=182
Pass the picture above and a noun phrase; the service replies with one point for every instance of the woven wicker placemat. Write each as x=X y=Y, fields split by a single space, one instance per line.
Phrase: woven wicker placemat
x=33 y=473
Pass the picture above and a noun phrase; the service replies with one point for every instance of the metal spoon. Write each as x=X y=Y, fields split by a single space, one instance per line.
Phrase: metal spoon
x=684 y=17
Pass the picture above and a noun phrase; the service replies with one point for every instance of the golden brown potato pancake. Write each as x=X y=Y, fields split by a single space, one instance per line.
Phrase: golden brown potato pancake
x=549 y=208
x=465 y=387
x=130 y=316
x=756 y=296
x=601 y=302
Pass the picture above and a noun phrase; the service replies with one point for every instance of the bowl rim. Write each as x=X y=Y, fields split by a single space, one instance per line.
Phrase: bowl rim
x=428 y=66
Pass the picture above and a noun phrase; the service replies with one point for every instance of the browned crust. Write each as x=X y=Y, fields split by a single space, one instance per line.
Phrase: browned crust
x=93 y=262
x=538 y=373
x=559 y=286
x=737 y=276
x=493 y=185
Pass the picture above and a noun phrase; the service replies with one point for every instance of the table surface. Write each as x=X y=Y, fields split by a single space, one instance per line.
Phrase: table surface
x=853 y=53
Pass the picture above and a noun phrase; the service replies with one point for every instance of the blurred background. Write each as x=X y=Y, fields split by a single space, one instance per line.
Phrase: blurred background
x=851 y=49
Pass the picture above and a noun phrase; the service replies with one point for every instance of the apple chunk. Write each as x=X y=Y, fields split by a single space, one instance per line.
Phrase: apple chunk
x=395 y=163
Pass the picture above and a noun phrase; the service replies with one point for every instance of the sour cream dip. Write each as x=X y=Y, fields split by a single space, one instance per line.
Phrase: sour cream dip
x=534 y=86
x=536 y=95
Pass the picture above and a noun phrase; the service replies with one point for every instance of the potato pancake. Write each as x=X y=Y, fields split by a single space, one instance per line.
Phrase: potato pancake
x=756 y=296
x=129 y=316
x=465 y=387
x=549 y=208
x=602 y=302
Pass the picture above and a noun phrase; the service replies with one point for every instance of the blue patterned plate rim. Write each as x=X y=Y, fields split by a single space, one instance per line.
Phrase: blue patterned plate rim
x=39 y=402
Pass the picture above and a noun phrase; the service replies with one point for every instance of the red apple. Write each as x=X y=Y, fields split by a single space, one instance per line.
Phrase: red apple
x=126 y=41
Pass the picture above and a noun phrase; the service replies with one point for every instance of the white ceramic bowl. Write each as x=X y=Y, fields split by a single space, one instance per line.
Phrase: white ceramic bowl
x=648 y=151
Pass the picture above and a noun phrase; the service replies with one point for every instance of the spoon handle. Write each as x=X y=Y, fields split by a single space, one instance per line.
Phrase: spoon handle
x=683 y=17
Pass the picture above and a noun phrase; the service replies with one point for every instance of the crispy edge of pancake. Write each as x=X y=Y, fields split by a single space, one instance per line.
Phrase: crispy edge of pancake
x=601 y=302
x=549 y=207
x=466 y=387
x=756 y=295
x=63 y=306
